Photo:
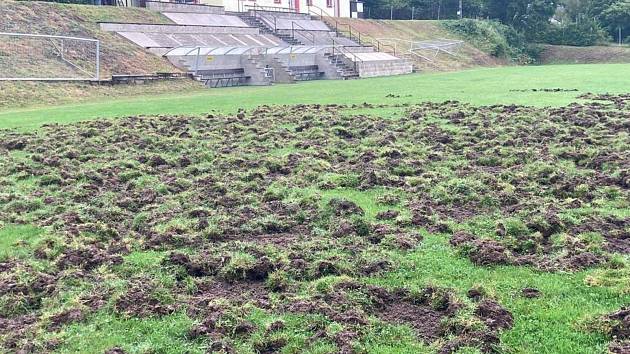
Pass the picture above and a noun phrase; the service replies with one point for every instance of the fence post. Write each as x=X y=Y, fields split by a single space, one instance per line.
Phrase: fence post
x=197 y=61
x=98 y=60
x=412 y=10
x=391 y=12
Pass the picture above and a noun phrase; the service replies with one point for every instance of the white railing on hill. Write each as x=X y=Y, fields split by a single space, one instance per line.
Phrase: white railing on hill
x=39 y=57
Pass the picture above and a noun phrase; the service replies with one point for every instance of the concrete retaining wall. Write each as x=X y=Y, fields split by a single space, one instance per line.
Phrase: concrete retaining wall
x=173 y=7
x=205 y=19
x=289 y=15
x=289 y=60
x=384 y=68
x=149 y=28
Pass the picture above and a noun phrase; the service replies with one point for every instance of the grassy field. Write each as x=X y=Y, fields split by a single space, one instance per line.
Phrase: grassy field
x=480 y=87
x=387 y=225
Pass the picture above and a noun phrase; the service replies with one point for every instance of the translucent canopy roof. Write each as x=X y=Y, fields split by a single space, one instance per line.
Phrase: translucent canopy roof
x=193 y=51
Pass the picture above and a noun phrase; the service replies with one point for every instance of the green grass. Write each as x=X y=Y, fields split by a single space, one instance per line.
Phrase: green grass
x=18 y=240
x=548 y=324
x=553 y=323
x=157 y=335
x=480 y=86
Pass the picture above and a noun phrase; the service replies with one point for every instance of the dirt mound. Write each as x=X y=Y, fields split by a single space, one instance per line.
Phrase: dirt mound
x=140 y=301
x=494 y=315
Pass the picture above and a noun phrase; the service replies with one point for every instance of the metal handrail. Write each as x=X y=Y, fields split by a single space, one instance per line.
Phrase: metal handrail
x=275 y=25
x=342 y=49
x=271 y=8
x=321 y=11
x=358 y=36
x=293 y=24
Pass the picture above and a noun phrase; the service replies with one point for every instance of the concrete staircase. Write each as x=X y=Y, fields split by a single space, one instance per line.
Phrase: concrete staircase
x=265 y=29
x=341 y=65
x=287 y=38
x=252 y=21
x=255 y=68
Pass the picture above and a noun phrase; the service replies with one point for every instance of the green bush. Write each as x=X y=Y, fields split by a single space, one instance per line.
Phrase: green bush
x=584 y=33
x=494 y=38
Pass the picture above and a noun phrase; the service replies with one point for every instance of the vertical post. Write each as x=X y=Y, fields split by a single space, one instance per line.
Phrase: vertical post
x=197 y=61
x=461 y=13
x=98 y=60
x=391 y=12
x=412 y=10
x=620 y=36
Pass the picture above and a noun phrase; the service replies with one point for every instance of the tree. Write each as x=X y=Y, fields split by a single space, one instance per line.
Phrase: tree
x=529 y=16
x=617 y=16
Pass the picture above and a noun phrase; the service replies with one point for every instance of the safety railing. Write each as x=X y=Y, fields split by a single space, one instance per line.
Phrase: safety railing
x=343 y=51
x=28 y=55
x=273 y=21
x=293 y=32
x=256 y=8
x=436 y=46
x=318 y=11
x=345 y=29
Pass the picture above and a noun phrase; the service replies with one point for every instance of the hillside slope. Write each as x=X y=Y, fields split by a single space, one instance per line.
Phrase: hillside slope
x=118 y=56
x=468 y=56
x=559 y=54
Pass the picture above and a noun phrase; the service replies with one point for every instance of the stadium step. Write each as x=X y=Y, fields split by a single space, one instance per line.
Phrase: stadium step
x=265 y=29
x=344 y=70
x=254 y=22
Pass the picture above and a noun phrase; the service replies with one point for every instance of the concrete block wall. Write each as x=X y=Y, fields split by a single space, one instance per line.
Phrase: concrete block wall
x=384 y=68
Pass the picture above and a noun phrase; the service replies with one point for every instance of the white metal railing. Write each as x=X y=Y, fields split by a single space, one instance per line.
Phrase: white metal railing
x=64 y=48
x=448 y=46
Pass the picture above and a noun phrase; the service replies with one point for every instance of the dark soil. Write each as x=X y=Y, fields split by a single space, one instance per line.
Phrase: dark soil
x=230 y=210
x=494 y=316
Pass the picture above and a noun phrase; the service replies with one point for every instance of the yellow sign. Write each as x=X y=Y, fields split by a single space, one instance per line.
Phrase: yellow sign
x=293 y=56
x=209 y=58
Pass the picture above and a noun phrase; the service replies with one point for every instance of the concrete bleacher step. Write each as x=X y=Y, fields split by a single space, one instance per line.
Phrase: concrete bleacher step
x=254 y=22
x=344 y=71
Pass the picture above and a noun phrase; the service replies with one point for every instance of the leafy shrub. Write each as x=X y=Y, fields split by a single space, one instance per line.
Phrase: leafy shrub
x=584 y=33
x=493 y=37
